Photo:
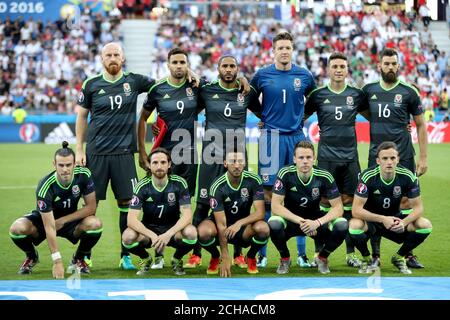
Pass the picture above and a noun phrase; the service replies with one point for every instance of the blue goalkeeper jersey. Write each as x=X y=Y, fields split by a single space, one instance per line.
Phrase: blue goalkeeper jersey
x=284 y=95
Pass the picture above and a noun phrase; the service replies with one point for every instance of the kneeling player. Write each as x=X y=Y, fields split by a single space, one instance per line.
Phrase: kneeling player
x=56 y=214
x=167 y=215
x=376 y=208
x=296 y=211
x=231 y=198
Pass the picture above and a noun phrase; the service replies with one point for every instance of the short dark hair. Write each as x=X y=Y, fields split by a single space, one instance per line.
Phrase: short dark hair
x=385 y=146
x=337 y=55
x=282 y=36
x=175 y=51
x=305 y=145
x=226 y=56
x=388 y=52
x=65 y=151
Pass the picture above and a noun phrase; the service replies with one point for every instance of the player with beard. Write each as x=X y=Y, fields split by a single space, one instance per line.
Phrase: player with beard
x=111 y=98
x=390 y=103
x=166 y=221
x=226 y=114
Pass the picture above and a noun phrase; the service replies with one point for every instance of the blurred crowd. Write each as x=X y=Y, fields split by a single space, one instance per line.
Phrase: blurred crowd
x=43 y=65
x=361 y=36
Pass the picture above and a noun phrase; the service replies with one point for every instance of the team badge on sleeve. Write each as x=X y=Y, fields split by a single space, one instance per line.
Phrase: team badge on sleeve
x=362 y=188
x=80 y=97
x=213 y=203
x=278 y=185
x=135 y=201
x=41 y=205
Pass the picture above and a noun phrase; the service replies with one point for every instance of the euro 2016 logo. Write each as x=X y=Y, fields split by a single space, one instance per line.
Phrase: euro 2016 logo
x=213 y=203
x=135 y=201
x=362 y=188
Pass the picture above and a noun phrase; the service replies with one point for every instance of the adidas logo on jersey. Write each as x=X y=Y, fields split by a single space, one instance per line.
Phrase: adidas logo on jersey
x=101 y=91
x=166 y=96
x=294 y=188
x=377 y=192
x=227 y=199
x=374 y=97
x=216 y=96
x=326 y=101
x=60 y=133
x=57 y=198
x=149 y=199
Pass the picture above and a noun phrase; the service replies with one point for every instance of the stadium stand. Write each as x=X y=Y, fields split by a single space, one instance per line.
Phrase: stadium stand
x=43 y=65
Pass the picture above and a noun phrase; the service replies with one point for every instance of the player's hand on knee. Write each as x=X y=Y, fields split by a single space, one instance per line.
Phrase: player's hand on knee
x=58 y=270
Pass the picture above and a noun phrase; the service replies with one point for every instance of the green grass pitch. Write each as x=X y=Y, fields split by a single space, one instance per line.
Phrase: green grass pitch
x=21 y=166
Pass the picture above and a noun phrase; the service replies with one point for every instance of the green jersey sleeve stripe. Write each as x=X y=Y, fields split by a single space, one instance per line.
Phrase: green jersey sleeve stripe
x=328 y=177
x=366 y=177
x=252 y=175
x=323 y=172
x=157 y=84
x=316 y=89
x=215 y=185
x=410 y=86
x=283 y=171
x=406 y=173
x=140 y=184
x=43 y=190
x=85 y=171
x=369 y=172
x=89 y=79
x=179 y=179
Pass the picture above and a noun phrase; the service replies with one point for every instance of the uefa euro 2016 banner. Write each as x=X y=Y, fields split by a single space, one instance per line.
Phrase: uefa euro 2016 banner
x=53 y=132
x=49 y=9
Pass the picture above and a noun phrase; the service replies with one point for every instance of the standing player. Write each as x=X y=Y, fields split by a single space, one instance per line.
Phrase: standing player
x=296 y=208
x=376 y=207
x=166 y=204
x=232 y=196
x=56 y=214
x=391 y=103
x=111 y=99
x=337 y=106
x=284 y=86
x=226 y=114
x=175 y=100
